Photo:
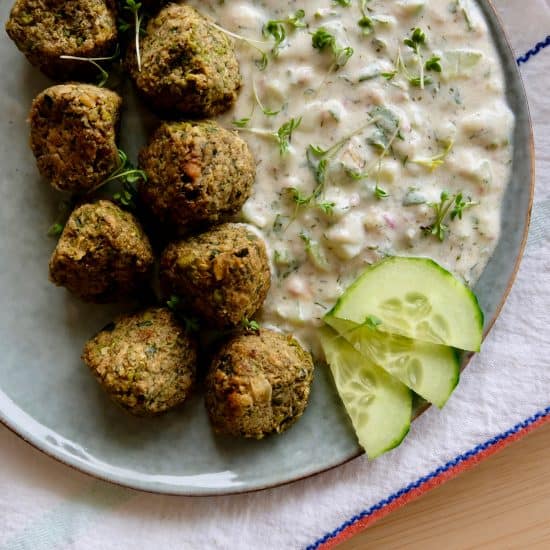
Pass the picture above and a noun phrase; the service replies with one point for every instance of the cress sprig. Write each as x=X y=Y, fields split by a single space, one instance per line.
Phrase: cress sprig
x=95 y=61
x=277 y=29
x=134 y=9
x=439 y=227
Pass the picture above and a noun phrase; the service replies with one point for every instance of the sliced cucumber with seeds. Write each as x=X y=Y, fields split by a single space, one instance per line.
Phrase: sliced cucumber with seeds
x=416 y=298
x=379 y=406
x=430 y=370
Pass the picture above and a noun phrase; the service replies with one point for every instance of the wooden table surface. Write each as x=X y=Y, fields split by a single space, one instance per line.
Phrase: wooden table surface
x=504 y=503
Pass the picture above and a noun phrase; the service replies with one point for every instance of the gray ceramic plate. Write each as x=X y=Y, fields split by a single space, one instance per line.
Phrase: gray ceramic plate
x=50 y=399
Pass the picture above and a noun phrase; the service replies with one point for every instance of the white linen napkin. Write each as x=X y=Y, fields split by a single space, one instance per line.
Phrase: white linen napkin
x=45 y=505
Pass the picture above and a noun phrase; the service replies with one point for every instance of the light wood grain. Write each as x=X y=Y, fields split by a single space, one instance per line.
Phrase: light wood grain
x=504 y=503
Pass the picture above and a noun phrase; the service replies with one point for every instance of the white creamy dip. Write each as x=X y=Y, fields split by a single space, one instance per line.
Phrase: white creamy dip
x=400 y=145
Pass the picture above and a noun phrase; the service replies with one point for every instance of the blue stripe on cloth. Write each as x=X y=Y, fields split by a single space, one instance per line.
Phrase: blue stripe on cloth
x=435 y=473
x=533 y=51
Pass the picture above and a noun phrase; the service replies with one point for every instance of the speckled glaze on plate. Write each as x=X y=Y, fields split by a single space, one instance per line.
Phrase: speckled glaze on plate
x=48 y=397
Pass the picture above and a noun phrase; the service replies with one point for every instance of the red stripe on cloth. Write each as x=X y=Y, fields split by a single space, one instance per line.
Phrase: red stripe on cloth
x=434 y=482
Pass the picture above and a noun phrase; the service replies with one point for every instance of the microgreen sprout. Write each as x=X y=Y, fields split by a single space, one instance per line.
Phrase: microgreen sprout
x=173 y=302
x=415 y=42
x=460 y=205
x=319 y=160
x=327 y=207
x=433 y=64
x=128 y=176
x=95 y=61
x=439 y=227
x=133 y=8
x=437 y=160
x=63 y=212
x=263 y=60
x=250 y=325
x=276 y=28
x=241 y=122
x=321 y=40
x=283 y=135
x=191 y=324
x=365 y=23
x=380 y=193
x=266 y=111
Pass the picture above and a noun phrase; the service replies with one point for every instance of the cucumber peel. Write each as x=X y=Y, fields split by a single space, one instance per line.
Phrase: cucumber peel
x=415 y=298
x=380 y=407
x=430 y=370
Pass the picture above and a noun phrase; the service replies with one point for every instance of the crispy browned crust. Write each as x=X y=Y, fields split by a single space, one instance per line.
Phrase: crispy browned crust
x=196 y=172
x=103 y=255
x=223 y=275
x=74 y=135
x=145 y=362
x=258 y=384
x=187 y=66
x=46 y=29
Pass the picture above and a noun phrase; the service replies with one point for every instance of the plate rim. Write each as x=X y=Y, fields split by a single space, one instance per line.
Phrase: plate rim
x=98 y=473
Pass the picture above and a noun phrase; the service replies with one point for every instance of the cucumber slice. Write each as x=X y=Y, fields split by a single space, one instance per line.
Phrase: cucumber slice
x=379 y=406
x=416 y=298
x=430 y=370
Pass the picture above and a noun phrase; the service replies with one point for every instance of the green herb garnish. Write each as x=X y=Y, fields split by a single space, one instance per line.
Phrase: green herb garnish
x=433 y=64
x=191 y=324
x=266 y=111
x=276 y=29
x=250 y=325
x=322 y=39
x=262 y=62
x=128 y=176
x=365 y=23
x=284 y=134
x=439 y=227
x=327 y=207
x=95 y=61
x=133 y=8
x=241 y=122
x=460 y=205
x=64 y=209
x=437 y=160
x=415 y=41
x=380 y=193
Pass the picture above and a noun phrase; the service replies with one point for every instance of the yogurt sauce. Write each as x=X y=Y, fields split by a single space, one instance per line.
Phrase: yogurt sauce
x=401 y=131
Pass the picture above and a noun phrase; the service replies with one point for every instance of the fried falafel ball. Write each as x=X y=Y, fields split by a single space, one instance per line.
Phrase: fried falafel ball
x=103 y=255
x=187 y=65
x=223 y=275
x=258 y=384
x=44 y=30
x=196 y=172
x=74 y=135
x=145 y=362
